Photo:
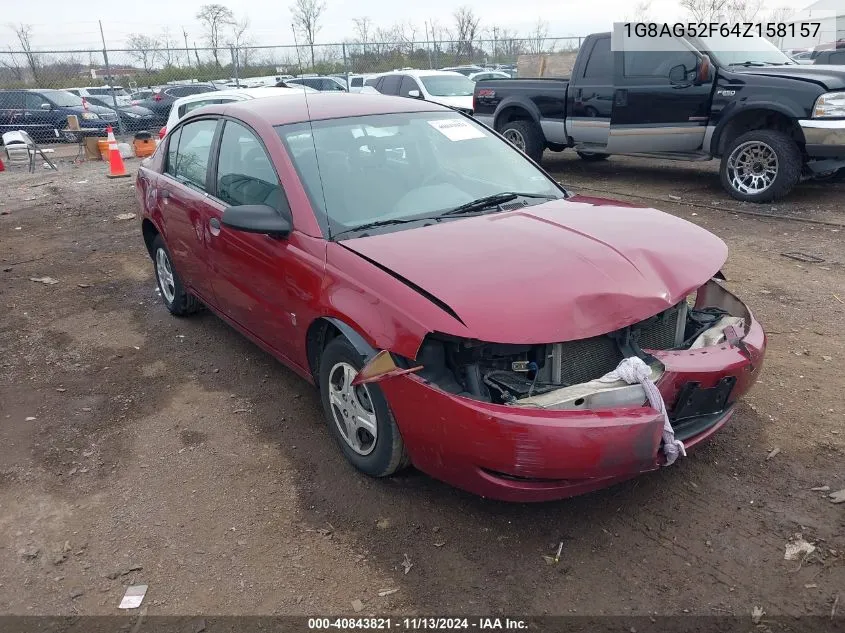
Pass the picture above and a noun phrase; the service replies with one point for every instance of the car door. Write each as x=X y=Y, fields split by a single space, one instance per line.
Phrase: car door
x=390 y=84
x=40 y=117
x=185 y=202
x=590 y=99
x=653 y=113
x=11 y=110
x=408 y=84
x=250 y=271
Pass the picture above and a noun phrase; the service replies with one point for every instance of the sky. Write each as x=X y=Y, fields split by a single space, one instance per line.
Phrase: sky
x=57 y=25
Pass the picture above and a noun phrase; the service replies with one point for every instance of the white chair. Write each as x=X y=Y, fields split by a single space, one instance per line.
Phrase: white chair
x=20 y=148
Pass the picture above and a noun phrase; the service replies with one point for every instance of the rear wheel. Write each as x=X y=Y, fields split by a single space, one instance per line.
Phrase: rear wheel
x=526 y=136
x=761 y=166
x=178 y=300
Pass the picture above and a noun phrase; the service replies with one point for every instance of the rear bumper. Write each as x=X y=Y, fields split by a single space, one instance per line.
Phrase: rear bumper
x=824 y=138
x=521 y=454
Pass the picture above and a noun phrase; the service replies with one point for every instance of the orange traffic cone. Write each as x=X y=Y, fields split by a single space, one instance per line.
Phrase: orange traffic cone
x=116 y=168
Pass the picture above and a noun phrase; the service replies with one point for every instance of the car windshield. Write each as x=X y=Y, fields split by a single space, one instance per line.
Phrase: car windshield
x=748 y=51
x=63 y=99
x=399 y=168
x=448 y=85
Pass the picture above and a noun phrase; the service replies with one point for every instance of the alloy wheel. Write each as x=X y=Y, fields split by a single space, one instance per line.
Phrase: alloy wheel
x=165 y=275
x=352 y=409
x=752 y=167
x=515 y=137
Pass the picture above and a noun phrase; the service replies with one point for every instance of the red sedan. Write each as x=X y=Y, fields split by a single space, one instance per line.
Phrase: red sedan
x=457 y=308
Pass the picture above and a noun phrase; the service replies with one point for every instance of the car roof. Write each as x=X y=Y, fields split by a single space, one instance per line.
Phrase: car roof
x=319 y=106
x=246 y=93
x=424 y=73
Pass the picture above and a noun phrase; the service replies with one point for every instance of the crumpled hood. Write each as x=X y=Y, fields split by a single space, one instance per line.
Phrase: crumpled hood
x=552 y=272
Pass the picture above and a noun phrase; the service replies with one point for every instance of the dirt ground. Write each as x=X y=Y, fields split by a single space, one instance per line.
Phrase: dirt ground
x=140 y=448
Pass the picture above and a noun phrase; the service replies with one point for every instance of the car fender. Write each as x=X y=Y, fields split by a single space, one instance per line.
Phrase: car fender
x=517 y=102
x=787 y=108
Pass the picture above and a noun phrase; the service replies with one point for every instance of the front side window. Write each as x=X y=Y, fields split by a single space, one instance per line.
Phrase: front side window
x=404 y=166
x=172 y=150
x=408 y=84
x=34 y=101
x=657 y=63
x=63 y=99
x=390 y=84
x=193 y=152
x=245 y=174
x=448 y=85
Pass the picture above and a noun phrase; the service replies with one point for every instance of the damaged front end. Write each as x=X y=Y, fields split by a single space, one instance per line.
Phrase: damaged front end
x=568 y=375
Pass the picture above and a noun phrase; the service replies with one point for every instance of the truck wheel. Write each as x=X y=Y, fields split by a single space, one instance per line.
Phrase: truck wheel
x=761 y=166
x=592 y=157
x=526 y=136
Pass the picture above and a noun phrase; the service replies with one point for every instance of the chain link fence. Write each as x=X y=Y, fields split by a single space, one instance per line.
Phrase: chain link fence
x=118 y=84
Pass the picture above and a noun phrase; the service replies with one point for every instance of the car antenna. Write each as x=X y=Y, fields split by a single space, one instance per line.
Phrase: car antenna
x=316 y=159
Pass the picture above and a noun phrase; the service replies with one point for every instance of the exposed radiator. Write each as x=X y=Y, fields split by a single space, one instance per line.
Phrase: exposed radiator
x=579 y=361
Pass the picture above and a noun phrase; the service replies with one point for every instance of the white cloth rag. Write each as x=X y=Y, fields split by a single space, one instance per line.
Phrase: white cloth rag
x=634 y=370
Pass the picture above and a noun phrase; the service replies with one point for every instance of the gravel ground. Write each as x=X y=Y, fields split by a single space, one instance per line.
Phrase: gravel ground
x=139 y=448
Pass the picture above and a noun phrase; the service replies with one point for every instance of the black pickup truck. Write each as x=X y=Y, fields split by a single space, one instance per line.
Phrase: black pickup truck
x=771 y=121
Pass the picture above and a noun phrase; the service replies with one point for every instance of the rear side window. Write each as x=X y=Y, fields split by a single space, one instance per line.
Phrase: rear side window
x=357 y=82
x=245 y=174
x=600 y=62
x=390 y=85
x=373 y=81
x=11 y=101
x=194 y=148
x=184 y=91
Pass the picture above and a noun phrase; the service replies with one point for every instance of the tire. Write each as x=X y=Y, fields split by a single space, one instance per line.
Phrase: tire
x=761 y=166
x=837 y=175
x=380 y=454
x=526 y=136
x=176 y=299
x=592 y=157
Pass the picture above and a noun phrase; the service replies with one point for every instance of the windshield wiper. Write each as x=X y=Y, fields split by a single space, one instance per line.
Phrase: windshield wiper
x=493 y=201
x=378 y=223
x=753 y=63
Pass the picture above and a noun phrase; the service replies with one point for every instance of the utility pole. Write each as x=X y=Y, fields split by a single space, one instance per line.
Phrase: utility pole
x=428 y=45
x=296 y=46
x=187 y=50
x=111 y=80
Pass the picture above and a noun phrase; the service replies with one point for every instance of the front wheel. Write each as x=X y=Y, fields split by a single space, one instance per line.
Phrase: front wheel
x=526 y=136
x=358 y=416
x=761 y=166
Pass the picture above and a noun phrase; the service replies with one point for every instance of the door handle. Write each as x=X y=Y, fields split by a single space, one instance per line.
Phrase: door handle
x=214 y=226
x=621 y=97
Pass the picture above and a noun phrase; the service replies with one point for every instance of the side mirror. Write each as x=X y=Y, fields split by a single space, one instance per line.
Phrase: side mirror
x=678 y=75
x=256 y=218
x=46 y=106
x=415 y=94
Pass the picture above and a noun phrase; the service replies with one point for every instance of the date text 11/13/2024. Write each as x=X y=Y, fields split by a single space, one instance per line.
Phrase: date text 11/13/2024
x=417 y=624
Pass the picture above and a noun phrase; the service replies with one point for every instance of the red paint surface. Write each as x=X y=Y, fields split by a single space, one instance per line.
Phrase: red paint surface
x=553 y=272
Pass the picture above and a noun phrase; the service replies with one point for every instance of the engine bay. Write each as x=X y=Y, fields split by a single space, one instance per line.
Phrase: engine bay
x=564 y=375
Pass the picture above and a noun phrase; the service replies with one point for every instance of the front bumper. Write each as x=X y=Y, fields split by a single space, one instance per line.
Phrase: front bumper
x=824 y=138
x=521 y=454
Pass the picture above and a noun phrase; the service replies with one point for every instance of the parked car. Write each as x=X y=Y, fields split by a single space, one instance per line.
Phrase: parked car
x=184 y=105
x=322 y=84
x=770 y=121
x=490 y=74
x=139 y=95
x=446 y=88
x=133 y=118
x=407 y=261
x=103 y=92
x=804 y=57
x=830 y=57
x=466 y=71
x=162 y=98
x=43 y=113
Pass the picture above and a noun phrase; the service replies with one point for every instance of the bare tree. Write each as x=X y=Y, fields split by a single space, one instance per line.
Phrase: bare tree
x=537 y=37
x=641 y=12
x=215 y=17
x=744 y=10
x=24 y=34
x=144 y=50
x=306 y=20
x=13 y=65
x=240 y=40
x=363 y=27
x=167 y=48
x=466 y=31
x=778 y=16
x=506 y=43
